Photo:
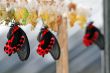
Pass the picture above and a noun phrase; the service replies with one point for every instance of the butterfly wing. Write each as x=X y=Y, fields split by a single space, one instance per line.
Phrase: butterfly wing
x=95 y=36
x=100 y=41
x=55 y=51
x=25 y=49
x=19 y=43
x=48 y=43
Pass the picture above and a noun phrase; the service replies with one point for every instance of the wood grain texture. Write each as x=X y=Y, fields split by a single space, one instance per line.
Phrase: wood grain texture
x=62 y=63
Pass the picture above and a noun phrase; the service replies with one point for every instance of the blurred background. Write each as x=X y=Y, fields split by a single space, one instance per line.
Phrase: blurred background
x=81 y=59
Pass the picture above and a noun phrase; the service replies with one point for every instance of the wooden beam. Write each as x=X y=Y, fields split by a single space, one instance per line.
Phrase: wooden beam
x=62 y=63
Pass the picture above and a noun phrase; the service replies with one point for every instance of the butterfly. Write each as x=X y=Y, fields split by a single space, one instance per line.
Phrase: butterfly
x=17 y=42
x=93 y=35
x=48 y=44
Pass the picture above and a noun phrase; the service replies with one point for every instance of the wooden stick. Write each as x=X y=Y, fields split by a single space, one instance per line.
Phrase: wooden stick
x=62 y=63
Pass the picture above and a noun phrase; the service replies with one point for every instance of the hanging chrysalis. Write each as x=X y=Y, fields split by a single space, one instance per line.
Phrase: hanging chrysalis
x=3 y=13
x=17 y=42
x=72 y=6
x=72 y=14
x=32 y=18
x=93 y=35
x=81 y=20
x=48 y=44
x=21 y=15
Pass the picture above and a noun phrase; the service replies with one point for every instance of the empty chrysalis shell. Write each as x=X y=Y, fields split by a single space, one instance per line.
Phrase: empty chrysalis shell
x=21 y=15
x=72 y=18
x=32 y=18
x=81 y=20
x=72 y=6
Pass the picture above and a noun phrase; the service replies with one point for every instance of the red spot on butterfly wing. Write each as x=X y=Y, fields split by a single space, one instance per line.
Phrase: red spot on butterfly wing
x=96 y=35
x=87 y=42
x=42 y=42
x=15 y=28
x=41 y=51
x=44 y=32
x=8 y=48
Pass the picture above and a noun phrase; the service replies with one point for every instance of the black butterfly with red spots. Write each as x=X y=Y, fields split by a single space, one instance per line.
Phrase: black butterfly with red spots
x=93 y=35
x=48 y=44
x=17 y=42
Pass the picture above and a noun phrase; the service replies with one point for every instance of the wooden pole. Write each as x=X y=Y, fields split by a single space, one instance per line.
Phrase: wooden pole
x=62 y=63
